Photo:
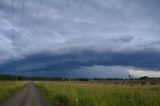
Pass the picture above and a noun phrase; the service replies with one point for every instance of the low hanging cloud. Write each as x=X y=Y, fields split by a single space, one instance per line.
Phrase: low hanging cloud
x=129 y=30
x=82 y=63
x=99 y=71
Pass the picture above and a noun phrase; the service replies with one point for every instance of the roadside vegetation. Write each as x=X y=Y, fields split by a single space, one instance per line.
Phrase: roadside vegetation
x=98 y=94
x=8 y=88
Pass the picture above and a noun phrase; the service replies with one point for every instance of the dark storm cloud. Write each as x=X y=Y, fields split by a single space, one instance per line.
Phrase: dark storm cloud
x=65 y=63
x=116 y=32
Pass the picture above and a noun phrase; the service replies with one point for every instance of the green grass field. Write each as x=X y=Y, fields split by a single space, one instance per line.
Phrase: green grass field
x=8 y=88
x=86 y=94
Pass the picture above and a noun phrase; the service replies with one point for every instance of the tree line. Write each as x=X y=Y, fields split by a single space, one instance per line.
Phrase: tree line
x=43 y=78
x=38 y=78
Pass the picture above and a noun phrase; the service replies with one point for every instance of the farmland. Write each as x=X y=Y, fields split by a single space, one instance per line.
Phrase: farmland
x=8 y=88
x=98 y=94
x=81 y=93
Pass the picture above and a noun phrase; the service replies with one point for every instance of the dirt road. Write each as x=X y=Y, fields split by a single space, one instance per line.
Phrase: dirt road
x=28 y=96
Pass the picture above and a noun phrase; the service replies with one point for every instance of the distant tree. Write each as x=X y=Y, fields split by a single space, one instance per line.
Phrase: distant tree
x=130 y=77
x=144 y=77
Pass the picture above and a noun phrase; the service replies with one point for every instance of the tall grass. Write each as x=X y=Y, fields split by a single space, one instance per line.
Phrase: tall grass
x=8 y=88
x=83 y=94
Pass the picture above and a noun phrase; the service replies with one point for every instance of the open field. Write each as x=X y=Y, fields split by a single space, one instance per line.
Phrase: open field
x=98 y=94
x=8 y=88
x=81 y=93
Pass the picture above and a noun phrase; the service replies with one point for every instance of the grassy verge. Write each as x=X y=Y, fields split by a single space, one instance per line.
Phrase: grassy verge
x=8 y=88
x=83 y=94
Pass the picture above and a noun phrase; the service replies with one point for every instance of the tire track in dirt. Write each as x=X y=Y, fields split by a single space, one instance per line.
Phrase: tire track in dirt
x=28 y=96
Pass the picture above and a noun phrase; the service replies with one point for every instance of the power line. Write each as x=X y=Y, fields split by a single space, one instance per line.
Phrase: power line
x=12 y=35
x=36 y=15
x=22 y=14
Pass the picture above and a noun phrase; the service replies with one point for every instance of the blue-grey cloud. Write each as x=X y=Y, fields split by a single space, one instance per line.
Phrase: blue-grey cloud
x=63 y=64
x=115 y=32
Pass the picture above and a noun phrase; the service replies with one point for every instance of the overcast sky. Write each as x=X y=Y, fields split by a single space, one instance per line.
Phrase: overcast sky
x=80 y=38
